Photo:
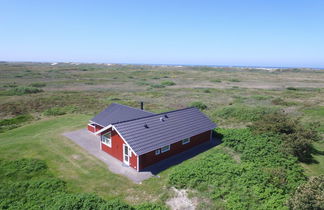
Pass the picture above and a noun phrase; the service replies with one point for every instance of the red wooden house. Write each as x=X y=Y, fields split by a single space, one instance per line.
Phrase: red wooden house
x=139 y=138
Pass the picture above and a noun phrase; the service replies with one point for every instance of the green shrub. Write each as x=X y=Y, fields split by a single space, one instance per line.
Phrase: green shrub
x=304 y=89
x=157 y=86
x=26 y=184
x=291 y=88
x=296 y=139
x=281 y=102
x=24 y=90
x=261 y=97
x=142 y=83
x=263 y=179
x=216 y=80
x=244 y=113
x=150 y=206
x=55 y=111
x=38 y=84
x=199 y=105
x=21 y=169
x=234 y=80
x=11 y=123
x=12 y=85
x=309 y=195
x=168 y=83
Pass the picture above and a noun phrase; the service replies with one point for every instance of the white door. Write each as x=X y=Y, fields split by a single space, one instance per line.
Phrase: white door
x=126 y=154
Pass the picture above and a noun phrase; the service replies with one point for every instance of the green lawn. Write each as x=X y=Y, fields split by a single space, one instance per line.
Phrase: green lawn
x=316 y=168
x=82 y=172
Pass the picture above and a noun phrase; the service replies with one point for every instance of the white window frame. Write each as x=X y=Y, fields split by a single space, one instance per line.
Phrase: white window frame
x=105 y=139
x=165 y=148
x=185 y=141
x=157 y=151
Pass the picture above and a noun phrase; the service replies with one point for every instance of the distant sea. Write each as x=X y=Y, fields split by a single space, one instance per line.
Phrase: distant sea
x=230 y=66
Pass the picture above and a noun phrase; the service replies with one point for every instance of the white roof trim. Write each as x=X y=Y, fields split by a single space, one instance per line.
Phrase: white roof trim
x=103 y=129
x=124 y=140
x=95 y=123
x=111 y=126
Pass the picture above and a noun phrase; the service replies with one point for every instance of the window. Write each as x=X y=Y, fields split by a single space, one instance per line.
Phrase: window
x=157 y=152
x=106 y=139
x=165 y=149
x=186 y=141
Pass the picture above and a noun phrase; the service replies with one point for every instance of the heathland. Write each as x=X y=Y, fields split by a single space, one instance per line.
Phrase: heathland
x=251 y=169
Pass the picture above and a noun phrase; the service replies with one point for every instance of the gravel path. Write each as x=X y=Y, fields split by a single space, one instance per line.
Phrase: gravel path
x=91 y=144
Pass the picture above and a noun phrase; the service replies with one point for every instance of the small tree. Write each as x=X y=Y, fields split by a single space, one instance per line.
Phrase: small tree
x=309 y=195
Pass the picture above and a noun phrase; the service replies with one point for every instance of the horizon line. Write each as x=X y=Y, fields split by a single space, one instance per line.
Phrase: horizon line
x=168 y=64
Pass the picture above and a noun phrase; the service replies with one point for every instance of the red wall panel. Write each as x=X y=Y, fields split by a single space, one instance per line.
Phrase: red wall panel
x=91 y=128
x=116 y=149
x=150 y=157
x=98 y=127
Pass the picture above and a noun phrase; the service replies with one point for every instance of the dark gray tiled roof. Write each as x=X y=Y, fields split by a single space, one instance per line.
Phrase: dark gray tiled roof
x=117 y=113
x=175 y=126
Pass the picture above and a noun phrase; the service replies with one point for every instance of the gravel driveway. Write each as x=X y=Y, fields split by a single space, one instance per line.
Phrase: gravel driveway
x=91 y=143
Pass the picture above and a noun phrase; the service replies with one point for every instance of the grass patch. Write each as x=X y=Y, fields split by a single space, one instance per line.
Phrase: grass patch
x=216 y=80
x=263 y=179
x=199 y=105
x=281 y=102
x=21 y=90
x=244 y=113
x=15 y=122
x=304 y=89
x=316 y=111
x=27 y=183
x=55 y=111
x=168 y=83
x=157 y=86
x=234 y=80
x=81 y=171
x=261 y=97
x=38 y=84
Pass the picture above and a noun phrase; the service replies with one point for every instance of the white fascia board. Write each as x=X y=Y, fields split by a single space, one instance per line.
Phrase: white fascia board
x=96 y=123
x=124 y=140
x=103 y=129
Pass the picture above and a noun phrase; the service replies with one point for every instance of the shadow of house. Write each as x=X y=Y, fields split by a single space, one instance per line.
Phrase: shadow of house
x=183 y=156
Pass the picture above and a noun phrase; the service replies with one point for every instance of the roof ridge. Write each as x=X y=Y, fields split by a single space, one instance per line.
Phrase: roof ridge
x=154 y=115
x=131 y=107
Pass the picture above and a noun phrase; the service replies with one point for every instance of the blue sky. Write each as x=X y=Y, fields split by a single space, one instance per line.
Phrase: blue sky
x=228 y=32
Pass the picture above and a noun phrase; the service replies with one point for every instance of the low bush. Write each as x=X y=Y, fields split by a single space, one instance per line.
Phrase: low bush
x=24 y=90
x=304 y=89
x=168 y=83
x=198 y=105
x=243 y=113
x=12 y=85
x=291 y=88
x=261 y=97
x=38 y=84
x=216 y=80
x=309 y=195
x=263 y=179
x=21 y=169
x=56 y=111
x=26 y=184
x=234 y=80
x=149 y=206
x=157 y=86
x=11 y=123
x=281 y=102
x=296 y=139
x=142 y=83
